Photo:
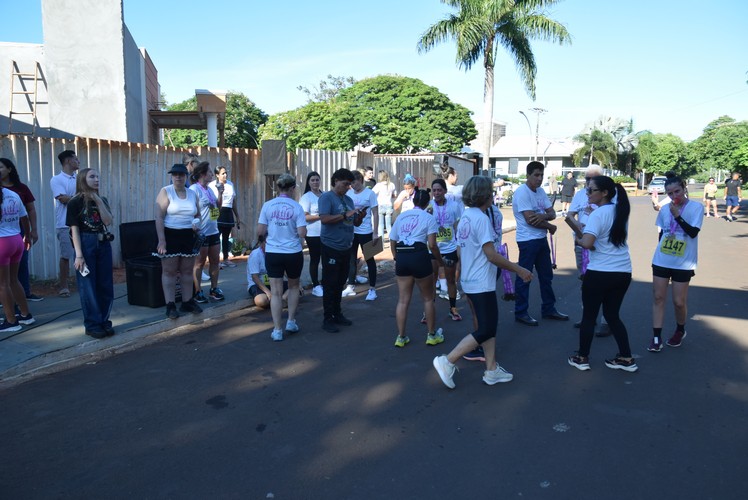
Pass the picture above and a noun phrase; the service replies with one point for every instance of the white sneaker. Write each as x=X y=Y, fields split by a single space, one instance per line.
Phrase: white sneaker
x=446 y=370
x=444 y=295
x=361 y=280
x=349 y=291
x=497 y=375
x=372 y=295
x=205 y=277
x=317 y=291
x=277 y=335
x=291 y=326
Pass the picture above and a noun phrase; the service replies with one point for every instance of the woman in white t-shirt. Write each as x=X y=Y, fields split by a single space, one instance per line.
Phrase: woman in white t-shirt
x=12 y=218
x=447 y=214
x=385 y=191
x=210 y=209
x=283 y=221
x=413 y=236
x=229 y=213
x=310 y=203
x=608 y=273
x=674 y=259
x=404 y=200
x=478 y=261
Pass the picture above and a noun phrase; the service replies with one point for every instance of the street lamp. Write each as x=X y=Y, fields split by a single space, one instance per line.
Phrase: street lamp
x=528 y=125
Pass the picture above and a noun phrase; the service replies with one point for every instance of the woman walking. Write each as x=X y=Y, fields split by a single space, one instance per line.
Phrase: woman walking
x=12 y=244
x=88 y=217
x=710 y=197
x=310 y=203
x=177 y=221
x=568 y=189
x=478 y=264
x=210 y=209
x=228 y=215
x=674 y=259
x=413 y=236
x=608 y=273
x=385 y=191
x=283 y=223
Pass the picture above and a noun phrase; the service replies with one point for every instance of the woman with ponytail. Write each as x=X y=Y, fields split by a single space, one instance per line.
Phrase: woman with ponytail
x=608 y=273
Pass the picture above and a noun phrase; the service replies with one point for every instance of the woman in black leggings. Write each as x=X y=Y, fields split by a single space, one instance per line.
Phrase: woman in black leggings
x=228 y=214
x=309 y=202
x=608 y=273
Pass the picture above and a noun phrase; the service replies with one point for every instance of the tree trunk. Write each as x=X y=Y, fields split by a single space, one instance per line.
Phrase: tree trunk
x=487 y=113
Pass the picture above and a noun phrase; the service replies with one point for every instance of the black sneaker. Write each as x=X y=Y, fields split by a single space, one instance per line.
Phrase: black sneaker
x=619 y=363
x=109 y=331
x=9 y=327
x=476 y=354
x=328 y=325
x=171 y=311
x=97 y=334
x=34 y=298
x=342 y=320
x=200 y=298
x=216 y=294
x=191 y=306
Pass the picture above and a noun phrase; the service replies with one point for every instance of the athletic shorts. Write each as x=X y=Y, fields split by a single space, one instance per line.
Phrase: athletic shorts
x=677 y=275
x=11 y=250
x=415 y=264
x=732 y=201
x=289 y=263
x=66 y=244
x=254 y=290
x=213 y=239
x=450 y=259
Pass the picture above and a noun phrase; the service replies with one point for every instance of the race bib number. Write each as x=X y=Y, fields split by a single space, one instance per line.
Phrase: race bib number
x=673 y=246
x=214 y=212
x=444 y=235
x=266 y=279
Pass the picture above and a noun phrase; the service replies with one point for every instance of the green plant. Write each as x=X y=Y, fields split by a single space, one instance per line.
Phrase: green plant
x=623 y=178
x=238 y=247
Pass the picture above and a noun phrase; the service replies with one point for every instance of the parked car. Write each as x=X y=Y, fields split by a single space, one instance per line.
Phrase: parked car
x=657 y=185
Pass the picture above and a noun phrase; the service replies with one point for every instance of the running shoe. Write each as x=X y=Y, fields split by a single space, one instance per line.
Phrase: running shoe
x=619 y=363
x=342 y=320
x=580 y=362
x=228 y=263
x=191 y=306
x=25 y=320
x=372 y=295
x=476 y=354
x=349 y=291
x=291 y=326
x=200 y=298
x=317 y=291
x=656 y=345
x=401 y=341
x=454 y=315
x=171 y=311
x=329 y=326
x=446 y=370
x=435 y=338
x=277 y=335
x=9 y=327
x=497 y=375
x=444 y=295
x=34 y=298
x=676 y=339
x=361 y=280
x=216 y=294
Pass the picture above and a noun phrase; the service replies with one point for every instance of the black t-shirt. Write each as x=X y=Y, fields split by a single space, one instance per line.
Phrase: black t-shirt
x=85 y=215
x=568 y=186
x=370 y=183
x=732 y=187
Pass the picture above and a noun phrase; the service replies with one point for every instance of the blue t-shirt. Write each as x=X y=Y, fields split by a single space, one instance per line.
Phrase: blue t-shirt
x=339 y=235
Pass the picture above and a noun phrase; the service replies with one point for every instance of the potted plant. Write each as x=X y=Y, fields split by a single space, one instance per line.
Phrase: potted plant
x=238 y=247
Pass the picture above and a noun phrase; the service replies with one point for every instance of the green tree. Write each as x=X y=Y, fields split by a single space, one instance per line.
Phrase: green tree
x=596 y=145
x=720 y=146
x=243 y=119
x=390 y=114
x=481 y=27
x=327 y=89
x=660 y=153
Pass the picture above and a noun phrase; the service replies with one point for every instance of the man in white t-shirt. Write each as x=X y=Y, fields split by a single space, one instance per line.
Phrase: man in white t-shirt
x=532 y=212
x=63 y=189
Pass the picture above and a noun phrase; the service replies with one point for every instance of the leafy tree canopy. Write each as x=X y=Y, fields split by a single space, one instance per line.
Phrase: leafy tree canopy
x=327 y=89
x=660 y=153
x=243 y=120
x=722 y=145
x=596 y=145
x=390 y=114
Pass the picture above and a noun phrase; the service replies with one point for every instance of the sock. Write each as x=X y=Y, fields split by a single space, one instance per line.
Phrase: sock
x=680 y=328
x=443 y=284
x=452 y=302
x=657 y=332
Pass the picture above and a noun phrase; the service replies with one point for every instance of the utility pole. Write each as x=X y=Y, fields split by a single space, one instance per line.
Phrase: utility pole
x=538 y=112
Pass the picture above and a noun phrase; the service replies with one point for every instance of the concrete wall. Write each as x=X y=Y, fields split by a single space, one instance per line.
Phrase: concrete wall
x=26 y=56
x=83 y=45
x=135 y=95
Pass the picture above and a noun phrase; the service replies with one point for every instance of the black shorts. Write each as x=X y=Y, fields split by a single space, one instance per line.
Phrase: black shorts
x=179 y=242
x=254 y=290
x=226 y=217
x=415 y=264
x=677 y=275
x=213 y=239
x=450 y=259
x=289 y=263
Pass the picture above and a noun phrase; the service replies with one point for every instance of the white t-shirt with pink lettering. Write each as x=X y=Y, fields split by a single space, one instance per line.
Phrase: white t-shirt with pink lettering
x=283 y=216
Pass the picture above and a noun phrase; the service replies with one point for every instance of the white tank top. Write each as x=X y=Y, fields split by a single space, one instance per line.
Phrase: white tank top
x=180 y=212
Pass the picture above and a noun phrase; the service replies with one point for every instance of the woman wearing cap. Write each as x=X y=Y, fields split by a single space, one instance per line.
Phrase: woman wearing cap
x=176 y=214
x=413 y=236
x=710 y=197
x=228 y=216
x=478 y=263
x=404 y=200
x=210 y=209
x=283 y=223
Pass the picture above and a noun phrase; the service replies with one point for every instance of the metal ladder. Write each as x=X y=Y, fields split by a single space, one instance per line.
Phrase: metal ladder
x=19 y=79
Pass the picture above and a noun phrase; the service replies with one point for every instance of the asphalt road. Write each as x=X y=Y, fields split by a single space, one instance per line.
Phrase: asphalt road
x=223 y=412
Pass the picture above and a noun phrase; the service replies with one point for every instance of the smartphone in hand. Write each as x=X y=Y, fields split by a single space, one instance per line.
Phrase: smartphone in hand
x=84 y=272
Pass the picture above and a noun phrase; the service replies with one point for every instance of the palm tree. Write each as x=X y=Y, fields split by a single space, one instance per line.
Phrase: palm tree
x=596 y=145
x=480 y=27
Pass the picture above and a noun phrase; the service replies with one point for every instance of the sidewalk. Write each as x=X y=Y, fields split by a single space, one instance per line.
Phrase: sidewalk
x=56 y=341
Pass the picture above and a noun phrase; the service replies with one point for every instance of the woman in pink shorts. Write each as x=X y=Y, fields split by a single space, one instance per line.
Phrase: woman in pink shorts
x=11 y=249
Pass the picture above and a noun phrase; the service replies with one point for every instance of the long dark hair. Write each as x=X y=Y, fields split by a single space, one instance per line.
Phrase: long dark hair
x=13 y=174
x=421 y=198
x=311 y=174
x=618 y=231
x=674 y=179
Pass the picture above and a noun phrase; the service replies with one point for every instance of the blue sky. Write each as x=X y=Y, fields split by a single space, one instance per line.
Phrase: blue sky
x=672 y=66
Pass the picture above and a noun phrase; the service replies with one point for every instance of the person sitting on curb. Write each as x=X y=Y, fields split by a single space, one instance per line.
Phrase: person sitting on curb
x=258 y=282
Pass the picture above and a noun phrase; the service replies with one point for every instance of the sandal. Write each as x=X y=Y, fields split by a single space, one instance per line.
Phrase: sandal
x=64 y=292
x=454 y=315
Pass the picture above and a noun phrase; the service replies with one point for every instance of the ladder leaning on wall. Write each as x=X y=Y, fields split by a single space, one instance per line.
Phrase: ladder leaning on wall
x=18 y=80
